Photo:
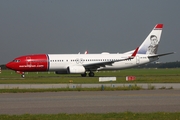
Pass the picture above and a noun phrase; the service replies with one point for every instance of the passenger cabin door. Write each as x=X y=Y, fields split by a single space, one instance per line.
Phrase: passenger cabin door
x=28 y=61
x=137 y=60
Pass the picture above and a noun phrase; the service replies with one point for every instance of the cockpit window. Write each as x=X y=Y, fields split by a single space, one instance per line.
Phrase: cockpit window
x=16 y=60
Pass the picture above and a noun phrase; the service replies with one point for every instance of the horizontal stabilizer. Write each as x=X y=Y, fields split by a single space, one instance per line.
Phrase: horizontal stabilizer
x=158 y=55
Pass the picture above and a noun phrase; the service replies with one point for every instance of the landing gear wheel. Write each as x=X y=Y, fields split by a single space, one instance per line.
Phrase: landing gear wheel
x=91 y=74
x=84 y=74
x=23 y=76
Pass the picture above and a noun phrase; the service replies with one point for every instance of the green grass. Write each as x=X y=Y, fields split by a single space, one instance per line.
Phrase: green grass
x=79 y=88
x=93 y=116
x=142 y=76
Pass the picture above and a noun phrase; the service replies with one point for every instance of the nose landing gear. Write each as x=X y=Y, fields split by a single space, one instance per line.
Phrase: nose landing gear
x=22 y=73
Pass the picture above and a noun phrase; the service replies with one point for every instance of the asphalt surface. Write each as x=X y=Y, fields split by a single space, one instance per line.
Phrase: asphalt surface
x=90 y=102
x=71 y=85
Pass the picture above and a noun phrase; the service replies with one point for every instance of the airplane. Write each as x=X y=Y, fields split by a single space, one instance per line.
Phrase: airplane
x=88 y=63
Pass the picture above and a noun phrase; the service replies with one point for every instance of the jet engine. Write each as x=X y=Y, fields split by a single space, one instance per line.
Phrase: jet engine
x=76 y=69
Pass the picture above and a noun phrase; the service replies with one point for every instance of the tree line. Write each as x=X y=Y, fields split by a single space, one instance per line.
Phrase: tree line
x=161 y=65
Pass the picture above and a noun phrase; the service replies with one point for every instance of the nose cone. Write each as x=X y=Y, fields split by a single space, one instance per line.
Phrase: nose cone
x=9 y=65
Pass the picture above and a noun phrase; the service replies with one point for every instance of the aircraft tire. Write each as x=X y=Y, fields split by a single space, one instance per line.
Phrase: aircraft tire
x=91 y=74
x=23 y=76
x=84 y=74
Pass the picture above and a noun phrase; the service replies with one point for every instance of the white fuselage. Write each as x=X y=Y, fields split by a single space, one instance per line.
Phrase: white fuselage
x=62 y=61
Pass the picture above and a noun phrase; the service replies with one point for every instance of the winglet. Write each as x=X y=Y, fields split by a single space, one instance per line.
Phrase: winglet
x=134 y=53
x=159 y=26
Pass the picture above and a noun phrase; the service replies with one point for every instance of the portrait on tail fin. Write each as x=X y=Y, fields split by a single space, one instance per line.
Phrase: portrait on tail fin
x=152 y=49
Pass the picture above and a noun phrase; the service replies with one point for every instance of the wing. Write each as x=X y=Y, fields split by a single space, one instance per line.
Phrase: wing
x=94 y=66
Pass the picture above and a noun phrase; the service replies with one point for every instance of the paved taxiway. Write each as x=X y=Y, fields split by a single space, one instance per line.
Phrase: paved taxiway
x=90 y=102
x=71 y=85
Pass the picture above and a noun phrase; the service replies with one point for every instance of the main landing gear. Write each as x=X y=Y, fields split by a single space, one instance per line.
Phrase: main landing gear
x=91 y=74
x=84 y=74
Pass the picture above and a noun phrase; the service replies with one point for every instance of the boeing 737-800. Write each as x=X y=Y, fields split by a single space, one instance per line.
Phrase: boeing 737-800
x=88 y=63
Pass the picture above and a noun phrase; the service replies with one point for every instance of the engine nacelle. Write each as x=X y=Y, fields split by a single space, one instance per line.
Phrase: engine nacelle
x=76 y=69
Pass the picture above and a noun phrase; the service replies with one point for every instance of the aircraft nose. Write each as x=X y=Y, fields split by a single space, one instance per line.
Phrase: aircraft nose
x=9 y=65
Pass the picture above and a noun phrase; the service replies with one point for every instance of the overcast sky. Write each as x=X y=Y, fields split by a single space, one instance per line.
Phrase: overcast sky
x=72 y=26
